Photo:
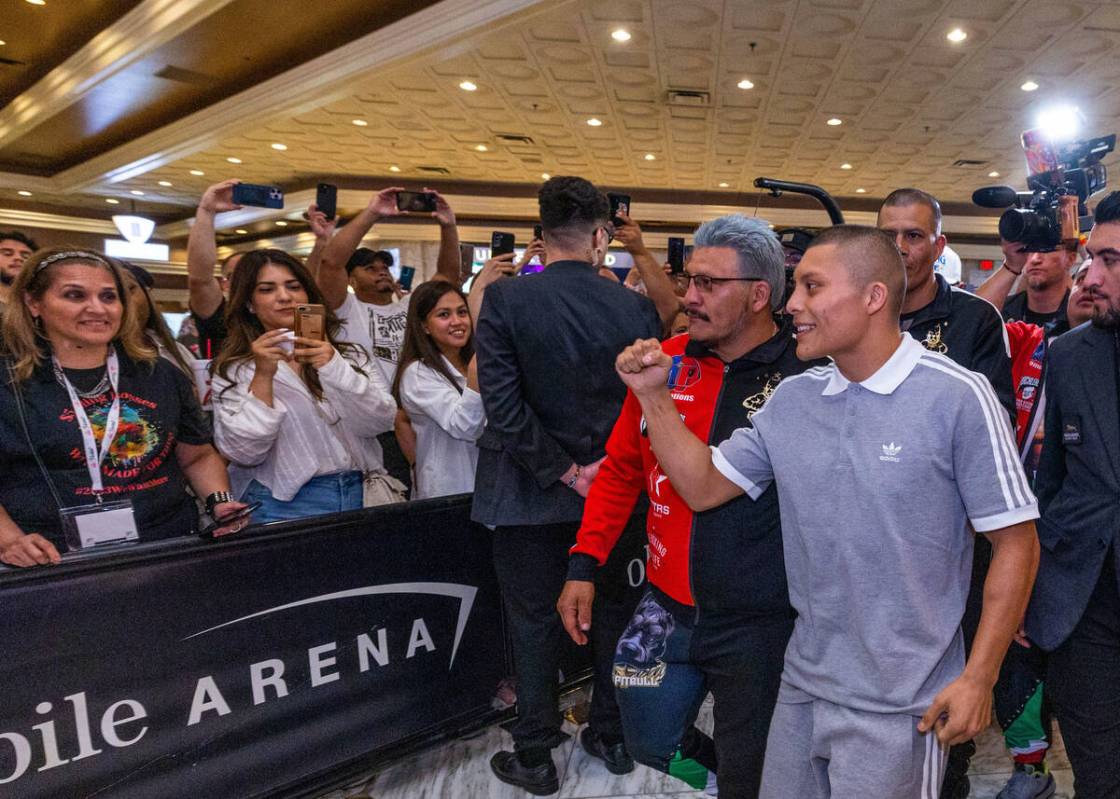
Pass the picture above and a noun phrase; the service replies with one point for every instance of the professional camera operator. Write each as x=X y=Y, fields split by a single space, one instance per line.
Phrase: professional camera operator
x=1046 y=296
x=1075 y=610
x=546 y=344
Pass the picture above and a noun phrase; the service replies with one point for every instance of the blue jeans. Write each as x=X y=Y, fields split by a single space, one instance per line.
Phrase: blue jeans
x=663 y=668
x=327 y=493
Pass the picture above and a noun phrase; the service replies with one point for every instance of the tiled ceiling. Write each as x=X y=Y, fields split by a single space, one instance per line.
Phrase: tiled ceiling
x=911 y=103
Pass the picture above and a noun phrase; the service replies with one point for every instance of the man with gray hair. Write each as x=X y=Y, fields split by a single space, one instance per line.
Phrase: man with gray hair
x=717 y=616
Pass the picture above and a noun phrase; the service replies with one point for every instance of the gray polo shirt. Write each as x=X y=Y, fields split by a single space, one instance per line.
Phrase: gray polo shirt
x=878 y=482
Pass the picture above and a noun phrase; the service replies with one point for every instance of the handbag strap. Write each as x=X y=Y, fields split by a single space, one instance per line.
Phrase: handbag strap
x=17 y=391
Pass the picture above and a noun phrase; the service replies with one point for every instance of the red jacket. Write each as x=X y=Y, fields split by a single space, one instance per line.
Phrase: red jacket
x=727 y=558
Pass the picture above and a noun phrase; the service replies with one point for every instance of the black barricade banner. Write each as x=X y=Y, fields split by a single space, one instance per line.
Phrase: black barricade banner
x=239 y=668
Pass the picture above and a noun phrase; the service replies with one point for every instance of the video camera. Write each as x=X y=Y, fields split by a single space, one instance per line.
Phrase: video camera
x=1053 y=213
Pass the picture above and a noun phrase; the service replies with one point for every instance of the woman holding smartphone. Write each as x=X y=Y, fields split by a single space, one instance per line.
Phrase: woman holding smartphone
x=437 y=386
x=296 y=416
x=99 y=437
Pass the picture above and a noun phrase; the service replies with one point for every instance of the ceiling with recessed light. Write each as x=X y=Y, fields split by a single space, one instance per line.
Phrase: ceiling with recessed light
x=859 y=96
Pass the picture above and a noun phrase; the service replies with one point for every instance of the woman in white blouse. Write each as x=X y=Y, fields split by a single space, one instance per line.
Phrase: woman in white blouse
x=432 y=386
x=293 y=416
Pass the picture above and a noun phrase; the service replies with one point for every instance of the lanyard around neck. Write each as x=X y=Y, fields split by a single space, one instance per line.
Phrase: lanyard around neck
x=95 y=456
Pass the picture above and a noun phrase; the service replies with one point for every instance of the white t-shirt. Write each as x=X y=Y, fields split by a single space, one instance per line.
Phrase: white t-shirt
x=447 y=425
x=377 y=328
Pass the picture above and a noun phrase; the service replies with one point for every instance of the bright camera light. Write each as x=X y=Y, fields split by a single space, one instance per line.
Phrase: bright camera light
x=1060 y=122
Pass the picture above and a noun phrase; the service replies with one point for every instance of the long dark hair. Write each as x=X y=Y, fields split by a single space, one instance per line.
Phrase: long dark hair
x=418 y=345
x=155 y=327
x=243 y=327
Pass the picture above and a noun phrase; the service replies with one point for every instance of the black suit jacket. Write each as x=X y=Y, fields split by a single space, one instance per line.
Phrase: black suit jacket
x=1078 y=480
x=546 y=348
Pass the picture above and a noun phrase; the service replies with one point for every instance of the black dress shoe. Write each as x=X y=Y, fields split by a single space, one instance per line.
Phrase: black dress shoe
x=615 y=756
x=538 y=780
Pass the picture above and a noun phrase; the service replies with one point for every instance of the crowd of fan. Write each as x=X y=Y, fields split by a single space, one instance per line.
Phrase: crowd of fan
x=509 y=391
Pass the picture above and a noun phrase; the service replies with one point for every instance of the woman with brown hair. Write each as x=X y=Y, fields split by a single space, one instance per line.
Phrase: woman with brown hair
x=437 y=386
x=297 y=417
x=91 y=418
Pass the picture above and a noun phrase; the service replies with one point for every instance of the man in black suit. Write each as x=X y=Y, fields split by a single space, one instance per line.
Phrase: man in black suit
x=1075 y=610
x=546 y=346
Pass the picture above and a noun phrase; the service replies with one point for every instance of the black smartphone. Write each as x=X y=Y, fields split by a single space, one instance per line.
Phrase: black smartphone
x=500 y=243
x=257 y=195
x=407 y=273
x=538 y=232
x=619 y=202
x=419 y=201
x=676 y=255
x=326 y=198
x=244 y=513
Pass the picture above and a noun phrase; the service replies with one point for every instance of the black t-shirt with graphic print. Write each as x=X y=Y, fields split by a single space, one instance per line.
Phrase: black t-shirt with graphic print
x=158 y=410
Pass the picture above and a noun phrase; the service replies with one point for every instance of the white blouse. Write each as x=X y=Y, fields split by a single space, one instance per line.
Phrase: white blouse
x=298 y=438
x=447 y=425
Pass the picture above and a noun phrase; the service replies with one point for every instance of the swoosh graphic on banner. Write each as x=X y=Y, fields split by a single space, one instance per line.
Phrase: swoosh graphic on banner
x=464 y=593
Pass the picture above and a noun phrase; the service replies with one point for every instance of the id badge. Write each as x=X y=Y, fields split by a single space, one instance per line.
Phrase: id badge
x=93 y=525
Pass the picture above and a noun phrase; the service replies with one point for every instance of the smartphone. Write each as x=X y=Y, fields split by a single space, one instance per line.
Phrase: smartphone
x=311 y=321
x=208 y=530
x=407 y=273
x=420 y=201
x=538 y=232
x=257 y=195
x=619 y=202
x=676 y=255
x=500 y=243
x=326 y=198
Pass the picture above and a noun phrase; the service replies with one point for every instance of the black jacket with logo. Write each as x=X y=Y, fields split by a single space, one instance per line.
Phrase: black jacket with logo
x=969 y=330
x=727 y=559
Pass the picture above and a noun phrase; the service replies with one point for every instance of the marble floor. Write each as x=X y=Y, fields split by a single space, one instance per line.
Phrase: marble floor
x=460 y=770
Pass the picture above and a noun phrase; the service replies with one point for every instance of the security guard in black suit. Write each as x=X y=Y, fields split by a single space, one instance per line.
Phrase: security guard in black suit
x=1075 y=610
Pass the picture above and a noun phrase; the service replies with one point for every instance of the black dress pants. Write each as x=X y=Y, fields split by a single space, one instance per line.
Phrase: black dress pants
x=1083 y=680
x=531 y=562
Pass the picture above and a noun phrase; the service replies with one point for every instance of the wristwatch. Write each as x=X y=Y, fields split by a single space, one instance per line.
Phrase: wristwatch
x=575 y=477
x=217 y=498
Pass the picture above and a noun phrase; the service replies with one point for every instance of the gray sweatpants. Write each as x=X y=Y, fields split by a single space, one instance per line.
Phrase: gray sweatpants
x=818 y=750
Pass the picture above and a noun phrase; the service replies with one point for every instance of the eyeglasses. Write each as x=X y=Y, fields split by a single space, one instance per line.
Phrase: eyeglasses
x=609 y=230
x=704 y=283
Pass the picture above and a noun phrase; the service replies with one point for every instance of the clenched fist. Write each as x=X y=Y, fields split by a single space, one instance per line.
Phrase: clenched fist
x=643 y=366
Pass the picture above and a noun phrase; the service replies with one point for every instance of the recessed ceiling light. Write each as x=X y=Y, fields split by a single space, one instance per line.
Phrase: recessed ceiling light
x=111 y=201
x=394 y=168
x=197 y=172
x=993 y=174
x=2 y=42
x=241 y=231
x=279 y=146
x=361 y=123
x=233 y=160
x=594 y=122
x=835 y=121
x=956 y=36
x=861 y=191
x=745 y=84
x=651 y=157
x=481 y=148
x=24 y=193
x=281 y=223
x=621 y=35
x=723 y=184
x=845 y=166
x=137 y=192
x=468 y=86
x=546 y=176
x=37 y=2
x=1029 y=86
x=166 y=183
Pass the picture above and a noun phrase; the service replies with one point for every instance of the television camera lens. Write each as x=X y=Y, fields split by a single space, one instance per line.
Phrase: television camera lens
x=1036 y=232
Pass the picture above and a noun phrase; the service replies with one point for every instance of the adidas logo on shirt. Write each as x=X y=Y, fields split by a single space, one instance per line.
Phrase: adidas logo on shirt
x=890 y=452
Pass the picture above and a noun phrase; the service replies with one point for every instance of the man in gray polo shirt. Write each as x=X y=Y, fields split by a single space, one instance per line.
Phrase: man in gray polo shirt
x=881 y=460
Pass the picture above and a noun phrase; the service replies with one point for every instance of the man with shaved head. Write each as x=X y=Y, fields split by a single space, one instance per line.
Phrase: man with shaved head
x=882 y=460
